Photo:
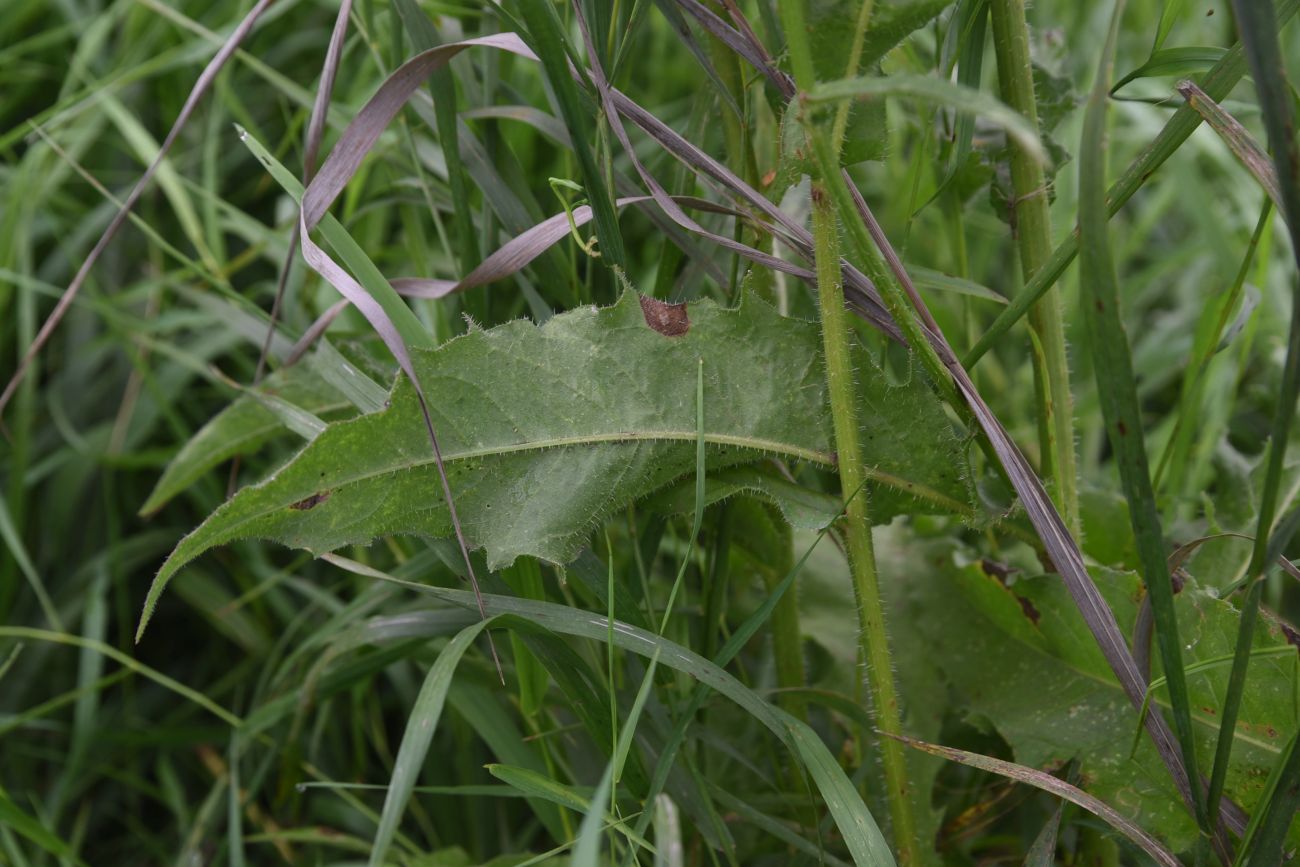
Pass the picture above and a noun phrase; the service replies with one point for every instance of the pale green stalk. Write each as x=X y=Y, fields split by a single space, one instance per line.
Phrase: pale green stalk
x=873 y=639
x=1033 y=231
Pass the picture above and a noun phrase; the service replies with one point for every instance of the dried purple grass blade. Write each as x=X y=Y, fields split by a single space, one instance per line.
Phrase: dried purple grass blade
x=744 y=44
x=379 y=110
x=317 y=328
x=315 y=131
x=683 y=31
x=1056 y=786
x=338 y=169
x=200 y=88
x=525 y=247
x=661 y=197
x=799 y=239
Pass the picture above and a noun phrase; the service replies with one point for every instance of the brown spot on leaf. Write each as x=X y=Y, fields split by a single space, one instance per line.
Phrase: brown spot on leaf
x=1000 y=571
x=669 y=320
x=1030 y=611
x=1123 y=428
x=310 y=502
x=1292 y=637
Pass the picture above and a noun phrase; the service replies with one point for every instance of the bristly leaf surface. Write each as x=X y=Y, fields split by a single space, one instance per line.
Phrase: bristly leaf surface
x=550 y=428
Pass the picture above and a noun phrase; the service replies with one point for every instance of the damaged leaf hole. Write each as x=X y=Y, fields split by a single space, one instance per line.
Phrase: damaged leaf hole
x=311 y=502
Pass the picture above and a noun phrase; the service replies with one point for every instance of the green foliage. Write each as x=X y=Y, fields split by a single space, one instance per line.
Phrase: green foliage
x=681 y=675
x=1004 y=639
x=544 y=430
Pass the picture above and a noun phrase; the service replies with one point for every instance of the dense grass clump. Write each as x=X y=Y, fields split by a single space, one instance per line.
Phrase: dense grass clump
x=670 y=432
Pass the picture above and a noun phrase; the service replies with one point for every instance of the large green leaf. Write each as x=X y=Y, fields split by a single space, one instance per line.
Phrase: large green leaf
x=545 y=430
x=1020 y=658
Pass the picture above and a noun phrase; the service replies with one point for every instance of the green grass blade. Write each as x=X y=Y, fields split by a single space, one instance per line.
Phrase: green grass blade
x=1218 y=83
x=1263 y=842
x=587 y=851
x=1117 y=389
x=14 y=817
x=1173 y=61
x=420 y=726
x=9 y=534
x=1259 y=34
x=442 y=85
x=937 y=91
x=545 y=28
x=857 y=826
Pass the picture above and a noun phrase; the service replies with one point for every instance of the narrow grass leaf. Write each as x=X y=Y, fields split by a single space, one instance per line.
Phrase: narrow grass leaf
x=420 y=727
x=311 y=150
x=1236 y=137
x=14 y=817
x=1259 y=26
x=544 y=26
x=936 y=91
x=1058 y=787
x=349 y=380
x=1116 y=386
x=442 y=86
x=1264 y=840
x=586 y=852
x=14 y=542
x=201 y=86
x=1173 y=61
x=1217 y=83
x=771 y=825
x=304 y=423
x=191 y=695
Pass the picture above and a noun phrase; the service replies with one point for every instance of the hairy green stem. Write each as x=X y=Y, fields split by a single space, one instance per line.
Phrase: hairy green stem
x=1033 y=231
x=862 y=558
x=873 y=639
